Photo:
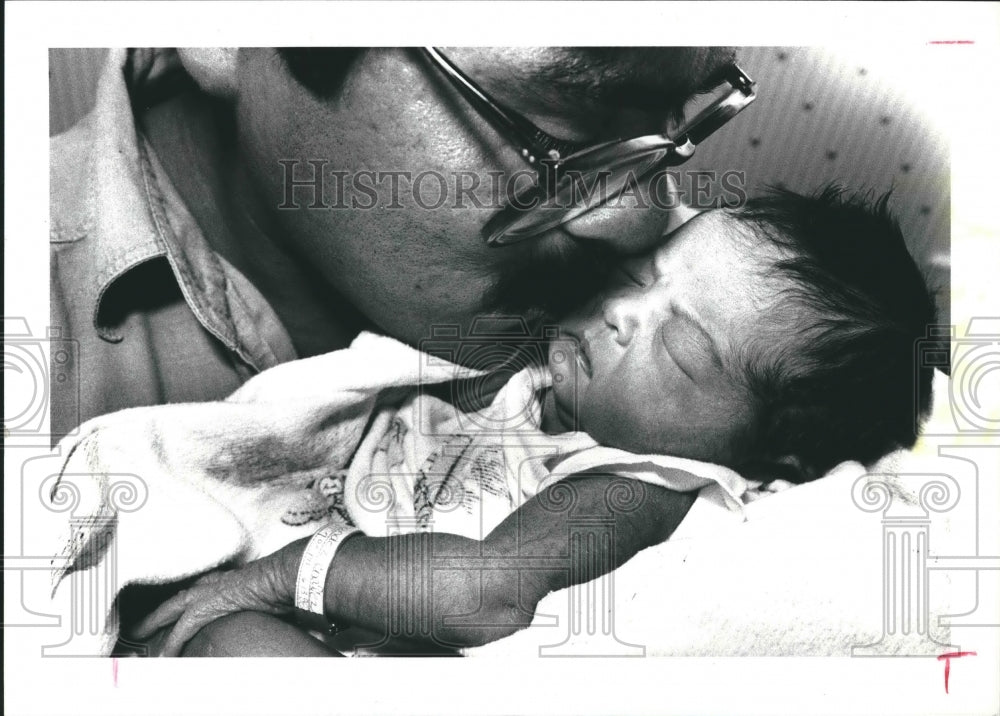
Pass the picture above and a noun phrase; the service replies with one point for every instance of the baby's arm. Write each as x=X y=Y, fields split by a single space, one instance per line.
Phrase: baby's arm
x=414 y=586
x=501 y=579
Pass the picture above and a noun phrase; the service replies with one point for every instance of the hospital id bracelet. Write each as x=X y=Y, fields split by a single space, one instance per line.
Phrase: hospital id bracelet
x=315 y=565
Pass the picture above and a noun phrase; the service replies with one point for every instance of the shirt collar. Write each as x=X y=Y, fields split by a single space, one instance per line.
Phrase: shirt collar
x=136 y=215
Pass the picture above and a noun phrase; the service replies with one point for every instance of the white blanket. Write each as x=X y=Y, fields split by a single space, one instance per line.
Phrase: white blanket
x=167 y=492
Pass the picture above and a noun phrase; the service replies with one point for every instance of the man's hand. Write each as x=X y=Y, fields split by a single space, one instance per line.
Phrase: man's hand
x=260 y=586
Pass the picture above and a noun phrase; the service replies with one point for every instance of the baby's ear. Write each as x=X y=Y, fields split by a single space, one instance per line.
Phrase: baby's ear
x=213 y=68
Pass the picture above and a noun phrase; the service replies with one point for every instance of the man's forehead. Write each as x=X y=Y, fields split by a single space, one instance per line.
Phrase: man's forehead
x=644 y=77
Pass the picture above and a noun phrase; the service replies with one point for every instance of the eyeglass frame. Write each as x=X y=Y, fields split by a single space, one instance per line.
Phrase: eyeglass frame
x=546 y=153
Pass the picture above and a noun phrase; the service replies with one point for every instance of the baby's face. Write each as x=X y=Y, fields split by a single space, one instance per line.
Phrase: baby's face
x=656 y=370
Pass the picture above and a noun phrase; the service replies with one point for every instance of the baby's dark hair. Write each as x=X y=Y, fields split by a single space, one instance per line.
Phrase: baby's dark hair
x=850 y=387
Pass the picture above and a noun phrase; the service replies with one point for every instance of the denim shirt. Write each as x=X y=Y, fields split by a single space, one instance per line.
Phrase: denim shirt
x=152 y=314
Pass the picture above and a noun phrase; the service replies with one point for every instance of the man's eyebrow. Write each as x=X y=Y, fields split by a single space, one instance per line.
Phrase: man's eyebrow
x=713 y=346
x=643 y=85
x=633 y=93
x=649 y=94
x=718 y=75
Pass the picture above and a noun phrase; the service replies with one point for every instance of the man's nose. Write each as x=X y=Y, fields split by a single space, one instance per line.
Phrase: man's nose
x=637 y=220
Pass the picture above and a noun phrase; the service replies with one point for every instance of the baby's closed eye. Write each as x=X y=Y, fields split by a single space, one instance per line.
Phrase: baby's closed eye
x=632 y=273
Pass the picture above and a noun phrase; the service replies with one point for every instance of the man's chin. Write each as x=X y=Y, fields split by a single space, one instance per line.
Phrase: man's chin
x=546 y=285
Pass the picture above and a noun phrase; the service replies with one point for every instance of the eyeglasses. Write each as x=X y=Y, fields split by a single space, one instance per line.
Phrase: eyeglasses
x=573 y=175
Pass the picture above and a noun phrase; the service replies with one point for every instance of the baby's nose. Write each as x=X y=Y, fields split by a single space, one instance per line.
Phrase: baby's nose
x=621 y=315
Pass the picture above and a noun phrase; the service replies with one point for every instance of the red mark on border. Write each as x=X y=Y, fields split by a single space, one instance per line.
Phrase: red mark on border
x=952 y=42
x=947 y=663
x=114 y=671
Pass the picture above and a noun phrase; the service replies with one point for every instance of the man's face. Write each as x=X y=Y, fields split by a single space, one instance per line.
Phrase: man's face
x=408 y=267
x=658 y=366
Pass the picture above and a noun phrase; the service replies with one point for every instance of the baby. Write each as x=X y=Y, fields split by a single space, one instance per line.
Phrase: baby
x=775 y=340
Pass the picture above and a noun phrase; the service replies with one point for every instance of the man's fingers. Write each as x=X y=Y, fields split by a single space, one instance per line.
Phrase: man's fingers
x=197 y=615
x=211 y=577
x=167 y=613
x=213 y=596
x=185 y=630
